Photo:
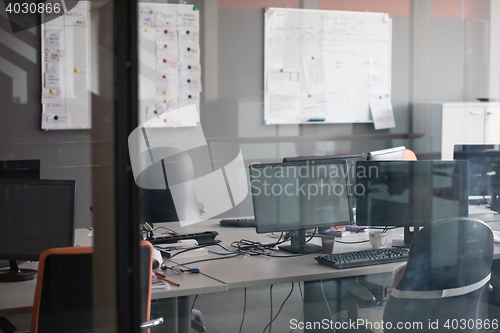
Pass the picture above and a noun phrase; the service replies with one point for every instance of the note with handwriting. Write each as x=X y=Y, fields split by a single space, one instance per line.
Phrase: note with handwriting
x=166 y=36
x=56 y=121
x=188 y=17
x=52 y=75
x=146 y=15
x=312 y=108
x=190 y=70
x=77 y=16
x=53 y=37
x=282 y=106
x=166 y=16
x=314 y=73
x=189 y=52
x=381 y=110
x=52 y=96
x=283 y=82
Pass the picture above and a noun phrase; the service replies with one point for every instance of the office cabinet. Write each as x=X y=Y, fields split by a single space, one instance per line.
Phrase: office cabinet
x=447 y=124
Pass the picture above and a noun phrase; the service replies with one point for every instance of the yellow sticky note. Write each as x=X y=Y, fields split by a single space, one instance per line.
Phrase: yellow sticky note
x=52 y=91
x=165 y=92
x=76 y=70
x=166 y=100
x=147 y=30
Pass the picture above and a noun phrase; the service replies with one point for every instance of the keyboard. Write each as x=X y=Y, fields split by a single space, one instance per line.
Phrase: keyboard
x=207 y=237
x=238 y=223
x=363 y=258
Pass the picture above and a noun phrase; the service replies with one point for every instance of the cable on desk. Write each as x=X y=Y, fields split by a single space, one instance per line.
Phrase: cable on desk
x=281 y=307
x=172 y=231
x=222 y=254
x=244 y=310
x=271 y=306
x=326 y=301
x=192 y=306
x=312 y=236
x=302 y=312
x=357 y=242
x=190 y=249
x=248 y=247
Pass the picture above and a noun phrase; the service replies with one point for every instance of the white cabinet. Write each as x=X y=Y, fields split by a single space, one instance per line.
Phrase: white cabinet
x=492 y=124
x=447 y=124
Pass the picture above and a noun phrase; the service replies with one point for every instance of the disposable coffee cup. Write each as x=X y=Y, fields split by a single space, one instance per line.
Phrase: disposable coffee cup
x=327 y=241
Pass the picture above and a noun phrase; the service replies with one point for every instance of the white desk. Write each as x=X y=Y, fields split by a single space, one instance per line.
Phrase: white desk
x=222 y=275
x=17 y=297
x=250 y=271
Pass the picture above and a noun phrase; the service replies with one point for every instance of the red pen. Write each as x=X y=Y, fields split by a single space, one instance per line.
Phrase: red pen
x=163 y=277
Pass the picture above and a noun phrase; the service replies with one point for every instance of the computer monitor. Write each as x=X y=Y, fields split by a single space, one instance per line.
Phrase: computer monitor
x=35 y=215
x=391 y=154
x=410 y=193
x=351 y=167
x=20 y=169
x=484 y=167
x=297 y=196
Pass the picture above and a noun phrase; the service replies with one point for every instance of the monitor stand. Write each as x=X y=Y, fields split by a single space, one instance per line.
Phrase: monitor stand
x=406 y=242
x=16 y=274
x=299 y=245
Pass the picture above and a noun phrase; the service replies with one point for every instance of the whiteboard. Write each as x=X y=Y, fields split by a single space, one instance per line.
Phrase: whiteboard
x=169 y=64
x=321 y=66
x=66 y=97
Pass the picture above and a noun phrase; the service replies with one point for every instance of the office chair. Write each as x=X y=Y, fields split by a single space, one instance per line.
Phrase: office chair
x=64 y=296
x=446 y=276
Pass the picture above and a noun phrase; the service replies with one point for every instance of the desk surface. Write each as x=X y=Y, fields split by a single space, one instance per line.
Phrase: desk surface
x=230 y=273
x=17 y=298
x=246 y=271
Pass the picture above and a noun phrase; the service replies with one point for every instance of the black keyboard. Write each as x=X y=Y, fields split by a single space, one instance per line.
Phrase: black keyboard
x=239 y=223
x=363 y=258
x=207 y=237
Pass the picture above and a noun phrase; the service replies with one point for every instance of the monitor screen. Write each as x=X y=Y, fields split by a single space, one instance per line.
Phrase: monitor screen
x=21 y=169
x=351 y=167
x=299 y=195
x=391 y=154
x=410 y=193
x=35 y=215
x=350 y=158
x=484 y=167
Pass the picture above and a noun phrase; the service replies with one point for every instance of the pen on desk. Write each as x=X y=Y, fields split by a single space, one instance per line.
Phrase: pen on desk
x=316 y=119
x=163 y=277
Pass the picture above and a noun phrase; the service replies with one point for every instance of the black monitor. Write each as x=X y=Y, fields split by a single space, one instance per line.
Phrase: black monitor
x=390 y=154
x=351 y=167
x=297 y=196
x=411 y=193
x=35 y=215
x=20 y=169
x=484 y=167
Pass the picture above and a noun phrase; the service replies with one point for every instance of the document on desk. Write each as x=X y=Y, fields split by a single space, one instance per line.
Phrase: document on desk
x=157 y=284
x=381 y=110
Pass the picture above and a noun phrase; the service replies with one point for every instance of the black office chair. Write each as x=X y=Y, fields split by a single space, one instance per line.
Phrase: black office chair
x=446 y=276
